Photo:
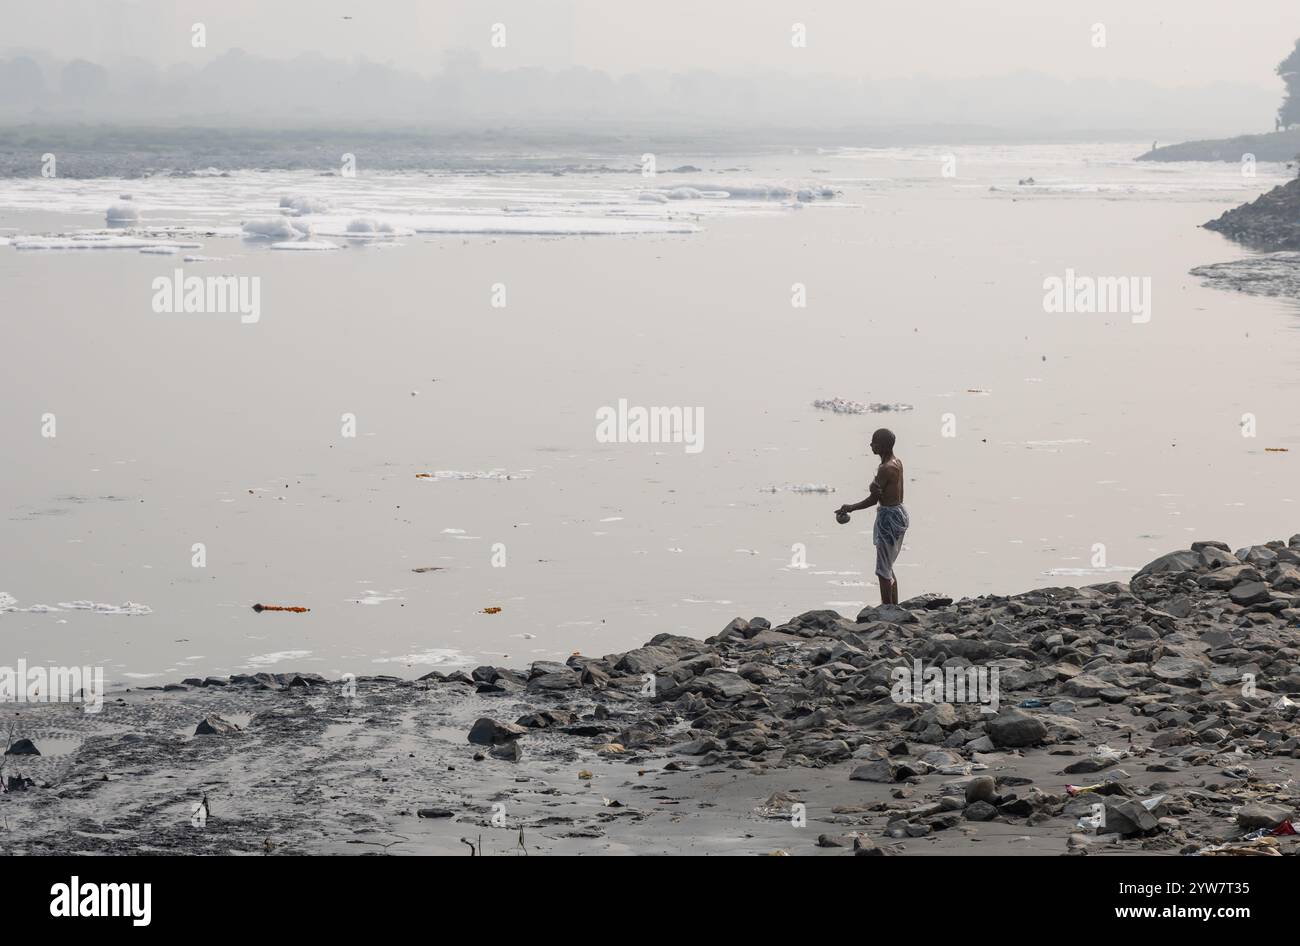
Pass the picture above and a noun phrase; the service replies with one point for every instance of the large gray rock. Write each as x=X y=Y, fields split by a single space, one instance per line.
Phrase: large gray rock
x=1184 y=560
x=1260 y=815
x=1224 y=578
x=489 y=732
x=980 y=811
x=981 y=788
x=1180 y=671
x=1013 y=729
x=646 y=659
x=550 y=682
x=721 y=684
x=1285 y=578
x=1249 y=592
x=1127 y=818
x=215 y=726
x=24 y=747
x=882 y=770
x=1086 y=685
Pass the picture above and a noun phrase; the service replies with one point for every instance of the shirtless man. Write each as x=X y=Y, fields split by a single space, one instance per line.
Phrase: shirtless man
x=891 y=518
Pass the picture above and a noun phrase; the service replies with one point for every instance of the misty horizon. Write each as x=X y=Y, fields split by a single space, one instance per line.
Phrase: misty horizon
x=1165 y=71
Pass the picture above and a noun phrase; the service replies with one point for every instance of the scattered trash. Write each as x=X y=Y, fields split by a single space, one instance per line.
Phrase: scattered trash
x=428 y=568
x=585 y=775
x=1255 y=847
x=259 y=608
x=199 y=818
x=497 y=474
x=490 y=611
x=839 y=405
x=1101 y=788
x=1277 y=449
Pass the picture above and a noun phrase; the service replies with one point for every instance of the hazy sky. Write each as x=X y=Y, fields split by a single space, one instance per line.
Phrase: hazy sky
x=1172 y=42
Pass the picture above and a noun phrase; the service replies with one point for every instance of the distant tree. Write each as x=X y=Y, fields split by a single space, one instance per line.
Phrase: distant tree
x=1289 y=70
x=22 y=82
x=82 y=80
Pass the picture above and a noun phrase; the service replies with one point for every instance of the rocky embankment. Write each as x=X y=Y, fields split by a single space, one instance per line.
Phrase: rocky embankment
x=1272 y=146
x=1158 y=716
x=1270 y=222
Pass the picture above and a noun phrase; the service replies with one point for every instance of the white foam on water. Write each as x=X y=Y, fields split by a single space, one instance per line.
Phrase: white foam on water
x=374 y=598
x=126 y=607
x=436 y=657
x=306 y=245
x=285 y=205
x=1083 y=572
x=95 y=241
x=305 y=205
x=539 y=225
x=9 y=603
x=497 y=474
x=839 y=405
x=276 y=228
x=279 y=656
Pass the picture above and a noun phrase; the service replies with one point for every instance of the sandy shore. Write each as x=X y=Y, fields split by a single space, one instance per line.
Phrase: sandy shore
x=758 y=740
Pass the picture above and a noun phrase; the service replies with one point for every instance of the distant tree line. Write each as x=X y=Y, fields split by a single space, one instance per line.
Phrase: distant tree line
x=1289 y=70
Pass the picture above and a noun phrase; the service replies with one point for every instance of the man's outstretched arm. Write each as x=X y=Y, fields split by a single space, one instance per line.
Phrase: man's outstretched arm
x=867 y=503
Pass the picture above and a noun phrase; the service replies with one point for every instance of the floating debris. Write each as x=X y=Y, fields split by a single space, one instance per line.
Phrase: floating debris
x=476 y=475
x=259 y=608
x=799 y=488
x=9 y=603
x=490 y=611
x=840 y=405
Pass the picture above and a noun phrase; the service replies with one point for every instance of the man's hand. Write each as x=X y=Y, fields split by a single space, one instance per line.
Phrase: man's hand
x=843 y=511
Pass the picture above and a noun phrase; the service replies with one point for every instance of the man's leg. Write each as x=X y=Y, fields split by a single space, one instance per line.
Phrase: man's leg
x=886 y=591
x=893 y=591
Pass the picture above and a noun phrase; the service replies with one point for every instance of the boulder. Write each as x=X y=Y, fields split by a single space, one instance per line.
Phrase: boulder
x=1172 y=563
x=215 y=726
x=488 y=732
x=1012 y=729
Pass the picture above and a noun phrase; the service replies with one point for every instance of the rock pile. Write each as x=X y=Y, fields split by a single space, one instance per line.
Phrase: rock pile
x=1194 y=666
x=1270 y=222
